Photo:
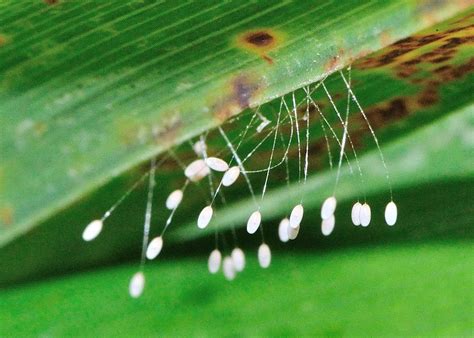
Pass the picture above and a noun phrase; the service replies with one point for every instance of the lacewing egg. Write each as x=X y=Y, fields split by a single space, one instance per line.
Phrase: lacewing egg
x=328 y=208
x=214 y=261
x=174 y=199
x=228 y=268
x=230 y=176
x=283 y=230
x=391 y=213
x=238 y=257
x=204 y=217
x=264 y=256
x=254 y=222
x=327 y=225
x=137 y=284
x=365 y=215
x=296 y=216
x=199 y=147
x=293 y=232
x=154 y=248
x=196 y=170
x=92 y=230
x=355 y=213
x=201 y=174
x=217 y=164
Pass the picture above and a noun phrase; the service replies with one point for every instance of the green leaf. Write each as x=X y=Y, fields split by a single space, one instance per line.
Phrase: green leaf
x=393 y=291
x=402 y=87
x=91 y=89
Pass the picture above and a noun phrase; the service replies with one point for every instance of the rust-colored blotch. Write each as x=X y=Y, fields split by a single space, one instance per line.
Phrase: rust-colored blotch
x=260 y=41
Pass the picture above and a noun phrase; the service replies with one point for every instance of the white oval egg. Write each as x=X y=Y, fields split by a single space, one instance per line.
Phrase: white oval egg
x=217 y=164
x=355 y=213
x=328 y=208
x=92 y=230
x=230 y=176
x=201 y=174
x=196 y=170
x=391 y=213
x=238 y=257
x=254 y=222
x=296 y=216
x=283 y=230
x=214 y=261
x=365 y=215
x=199 y=147
x=228 y=268
x=137 y=284
x=205 y=217
x=327 y=225
x=154 y=248
x=293 y=232
x=174 y=199
x=264 y=256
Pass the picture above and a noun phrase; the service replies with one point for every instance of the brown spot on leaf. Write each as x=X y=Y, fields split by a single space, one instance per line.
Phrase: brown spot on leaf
x=422 y=68
x=456 y=72
x=406 y=59
x=429 y=96
x=260 y=41
x=51 y=2
x=441 y=59
x=332 y=64
x=268 y=59
x=393 y=110
x=445 y=73
x=399 y=49
x=411 y=62
x=303 y=108
x=429 y=56
x=406 y=71
x=443 y=69
x=240 y=92
x=427 y=39
x=453 y=43
x=405 y=42
x=318 y=146
x=243 y=90
x=459 y=29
